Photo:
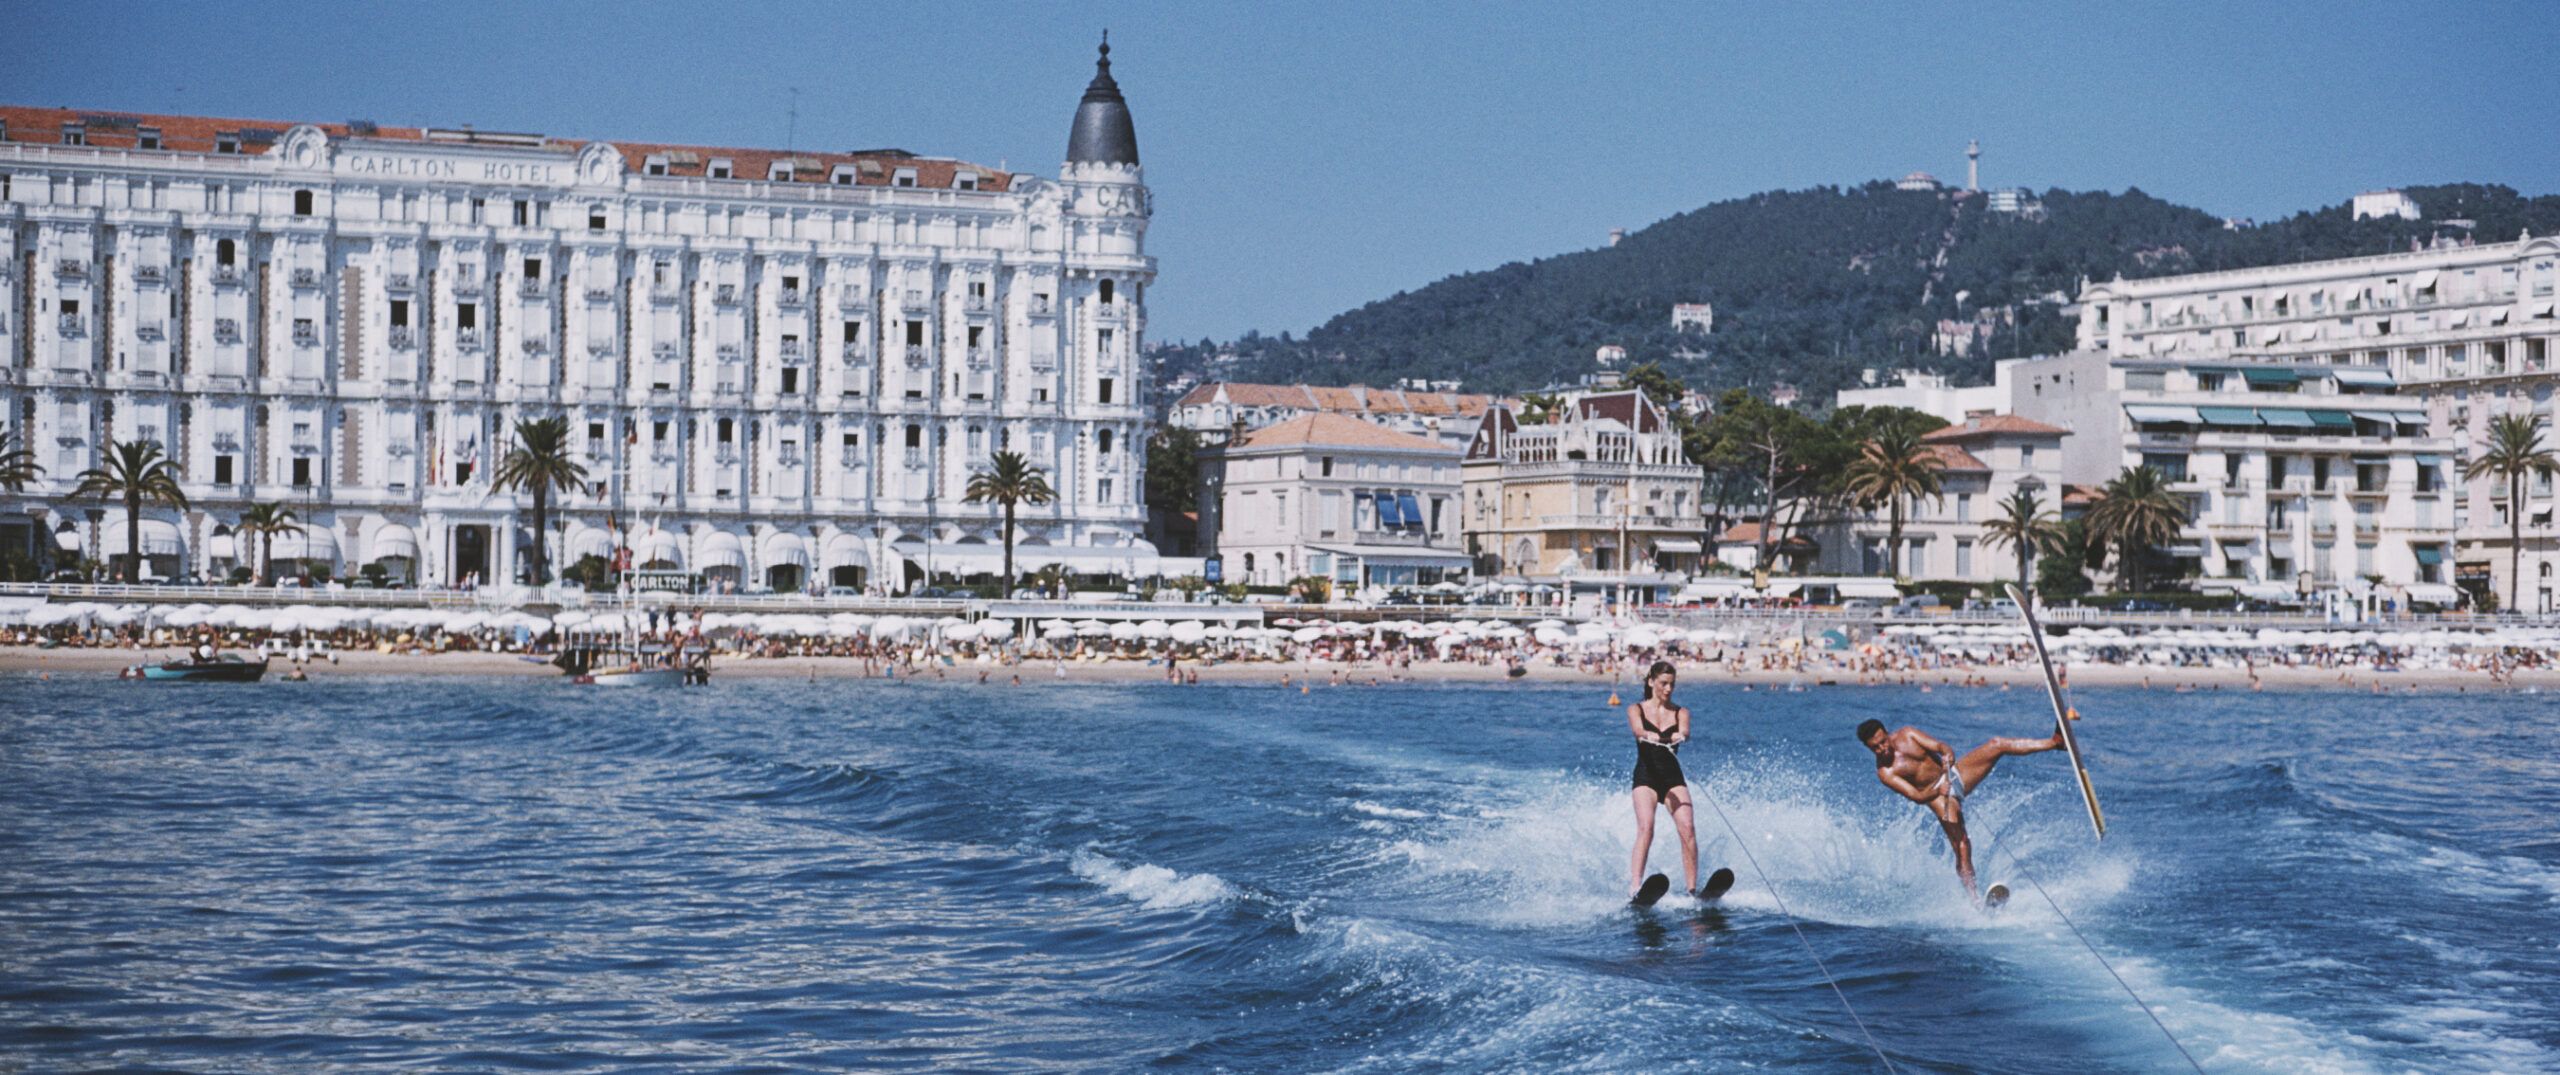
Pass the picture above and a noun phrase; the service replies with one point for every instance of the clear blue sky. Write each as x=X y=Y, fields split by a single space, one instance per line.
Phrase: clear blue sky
x=1311 y=159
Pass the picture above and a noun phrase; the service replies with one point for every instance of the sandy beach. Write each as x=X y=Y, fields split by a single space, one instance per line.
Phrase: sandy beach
x=369 y=664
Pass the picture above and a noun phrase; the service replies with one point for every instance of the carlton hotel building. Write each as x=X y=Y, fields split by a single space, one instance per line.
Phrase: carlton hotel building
x=779 y=367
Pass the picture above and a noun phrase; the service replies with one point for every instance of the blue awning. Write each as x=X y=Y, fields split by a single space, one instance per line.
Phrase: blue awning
x=1411 y=510
x=1387 y=511
x=2229 y=416
x=2337 y=419
x=2285 y=416
x=2429 y=555
x=2271 y=377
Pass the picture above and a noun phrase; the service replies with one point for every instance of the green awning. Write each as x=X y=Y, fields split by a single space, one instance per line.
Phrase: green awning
x=2285 y=416
x=2429 y=555
x=2228 y=416
x=2257 y=377
x=2431 y=460
x=2333 y=420
x=2149 y=413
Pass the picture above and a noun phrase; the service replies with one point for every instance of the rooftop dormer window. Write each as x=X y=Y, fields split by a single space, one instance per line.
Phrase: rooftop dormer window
x=965 y=181
x=719 y=168
x=655 y=164
x=842 y=176
x=75 y=134
x=778 y=172
x=146 y=138
x=226 y=142
x=905 y=177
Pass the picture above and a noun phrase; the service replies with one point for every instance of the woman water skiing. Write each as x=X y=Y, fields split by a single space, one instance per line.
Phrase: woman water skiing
x=1660 y=727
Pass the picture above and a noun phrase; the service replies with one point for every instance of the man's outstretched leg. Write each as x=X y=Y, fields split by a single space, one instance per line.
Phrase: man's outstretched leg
x=1976 y=765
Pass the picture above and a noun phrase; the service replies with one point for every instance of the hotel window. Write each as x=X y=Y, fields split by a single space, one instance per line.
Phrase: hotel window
x=1104 y=391
x=399 y=313
x=656 y=164
x=1106 y=292
x=595 y=435
x=915 y=437
x=965 y=181
x=1102 y=440
x=146 y=138
x=302 y=203
x=466 y=315
x=225 y=252
x=595 y=218
x=905 y=177
x=226 y=143
x=74 y=134
x=778 y=171
x=221 y=470
x=842 y=176
x=533 y=268
x=790 y=380
x=719 y=168
x=915 y=333
x=479 y=210
x=728 y=430
x=658 y=432
x=523 y=212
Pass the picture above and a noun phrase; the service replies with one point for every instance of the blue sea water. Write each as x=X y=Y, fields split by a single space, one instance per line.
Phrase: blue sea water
x=858 y=875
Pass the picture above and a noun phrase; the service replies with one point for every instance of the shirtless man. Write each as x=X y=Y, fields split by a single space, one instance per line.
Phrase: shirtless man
x=1922 y=769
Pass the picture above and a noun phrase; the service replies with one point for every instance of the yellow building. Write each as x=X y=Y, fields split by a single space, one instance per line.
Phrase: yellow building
x=1600 y=494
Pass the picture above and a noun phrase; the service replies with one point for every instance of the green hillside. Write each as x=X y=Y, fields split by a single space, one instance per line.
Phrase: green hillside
x=1813 y=286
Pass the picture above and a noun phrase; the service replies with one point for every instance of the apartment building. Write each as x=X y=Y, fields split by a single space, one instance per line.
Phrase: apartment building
x=1332 y=496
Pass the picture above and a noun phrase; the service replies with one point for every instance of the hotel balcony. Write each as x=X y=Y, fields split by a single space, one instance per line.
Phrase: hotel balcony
x=305 y=279
x=918 y=357
x=856 y=355
x=725 y=295
x=401 y=281
x=150 y=274
x=663 y=351
x=71 y=269
x=599 y=295
x=1587 y=521
x=403 y=337
x=468 y=339
x=531 y=289
x=226 y=275
x=467 y=287
x=791 y=297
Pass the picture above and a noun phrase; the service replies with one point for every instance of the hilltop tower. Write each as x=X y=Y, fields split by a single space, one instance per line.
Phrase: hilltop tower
x=1973 y=164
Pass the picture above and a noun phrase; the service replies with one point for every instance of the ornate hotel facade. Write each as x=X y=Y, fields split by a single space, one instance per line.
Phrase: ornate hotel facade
x=779 y=367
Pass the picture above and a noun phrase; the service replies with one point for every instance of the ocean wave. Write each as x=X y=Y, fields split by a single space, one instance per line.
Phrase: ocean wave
x=1382 y=810
x=1153 y=887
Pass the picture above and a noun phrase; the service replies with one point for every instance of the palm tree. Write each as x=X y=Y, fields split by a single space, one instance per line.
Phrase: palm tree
x=1012 y=481
x=266 y=521
x=133 y=471
x=2135 y=511
x=1892 y=466
x=2513 y=450
x=2023 y=525
x=539 y=463
x=18 y=466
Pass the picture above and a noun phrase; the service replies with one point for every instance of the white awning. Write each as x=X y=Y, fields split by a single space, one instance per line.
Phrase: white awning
x=1877 y=589
x=2306 y=332
x=67 y=540
x=2542 y=309
x=2426 y=279
x=719 y=548
x=846 y=550
x=657 y=547
x=1675 y=545
x=1134 y=559
x=1400 y=555
x=2378 y=416
x=221 y=547
x=2266 y=591
x=2159 y=412
x=781 y=547
x=588 y=541
x=393 y=540
x=969 y=558
x=2362 y=377
x=2432 y=593
x=2497 y=317
x=159 y=538
x=2459 y=319
x=2273 y=334
x=305 y=542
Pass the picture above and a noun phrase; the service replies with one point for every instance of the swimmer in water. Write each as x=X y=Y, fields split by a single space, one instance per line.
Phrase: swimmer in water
x=1922 y=769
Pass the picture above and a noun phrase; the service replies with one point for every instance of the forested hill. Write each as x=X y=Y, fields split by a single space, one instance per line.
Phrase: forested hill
x=1812 y=286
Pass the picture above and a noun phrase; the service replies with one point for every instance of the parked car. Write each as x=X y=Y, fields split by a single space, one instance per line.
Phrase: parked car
x=1918 y=604
x=2140 y=604
x=1998 y=606
x=844 y=591
x=1860 y=604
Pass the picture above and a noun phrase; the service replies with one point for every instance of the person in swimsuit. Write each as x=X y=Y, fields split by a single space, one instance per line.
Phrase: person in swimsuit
x=1920 y=768
x=1660 y=727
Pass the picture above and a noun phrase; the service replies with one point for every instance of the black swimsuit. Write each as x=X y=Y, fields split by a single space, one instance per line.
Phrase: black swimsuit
x=1656 y=766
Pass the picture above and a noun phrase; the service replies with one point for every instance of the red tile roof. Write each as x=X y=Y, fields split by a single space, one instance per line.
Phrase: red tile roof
x=199 y=134
x=1354 y=399
x=1994 y=425
x=1324 y=430
x=1956 y=458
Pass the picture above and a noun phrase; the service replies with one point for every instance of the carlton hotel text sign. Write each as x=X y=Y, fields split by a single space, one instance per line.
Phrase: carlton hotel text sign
x=475 y=168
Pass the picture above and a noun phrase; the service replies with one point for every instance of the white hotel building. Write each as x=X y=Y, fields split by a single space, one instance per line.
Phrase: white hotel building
x=2398 y=360
x=780 y=367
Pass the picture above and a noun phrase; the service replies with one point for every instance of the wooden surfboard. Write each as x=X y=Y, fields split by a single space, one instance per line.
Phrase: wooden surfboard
x=2062 y=715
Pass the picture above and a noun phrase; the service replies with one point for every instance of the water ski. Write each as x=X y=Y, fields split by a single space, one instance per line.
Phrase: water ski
x=1718 y=883
x=2063 y=714
x=1652 y=890
x=1995 y=897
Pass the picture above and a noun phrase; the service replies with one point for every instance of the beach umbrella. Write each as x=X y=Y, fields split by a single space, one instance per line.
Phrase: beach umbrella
x=1124 y=631
x=1307 y=634
x=1189 y=632
x=1152 y=630
x=995 y=630
x=1055 y=625
x=966 y=632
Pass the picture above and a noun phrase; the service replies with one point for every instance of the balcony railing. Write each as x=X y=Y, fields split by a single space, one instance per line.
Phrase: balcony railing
x=665 y=290
x=537 y=345
x=403 y=337
x=725 y=294
x=600 y=348
x=663 y=351
x=852 y=300
x=856 y=355
x=980 y=360
x=149 y=332
x=728 y=352
x=401 y=281
x=1042 y=304
x=599 y=295
x=531 y=289
x=305 y=279
x=915 y=458
x=305 y=337
x=71 y=269
x=918 y=358
x=977 y=304
x=226 y=275
x=467 y=287
x=793 y=353
x=852 y=458
x=226 y=331
x=70 y=326
x=468 y=339
x=150 y=274
x=791 y=297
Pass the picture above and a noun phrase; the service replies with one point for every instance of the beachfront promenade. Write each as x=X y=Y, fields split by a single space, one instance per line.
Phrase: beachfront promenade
x=26 y=594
